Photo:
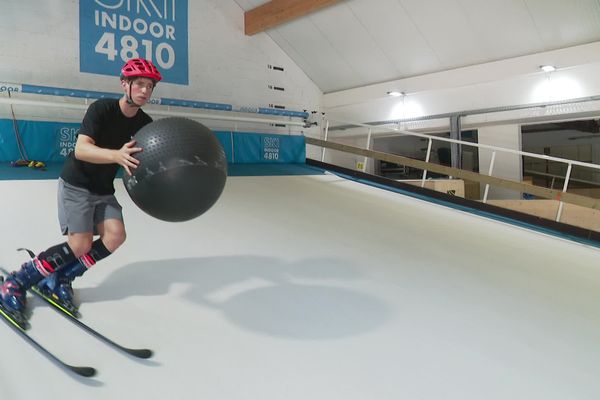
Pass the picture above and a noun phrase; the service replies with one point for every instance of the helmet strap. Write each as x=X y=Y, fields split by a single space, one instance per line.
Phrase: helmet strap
x=129 y=99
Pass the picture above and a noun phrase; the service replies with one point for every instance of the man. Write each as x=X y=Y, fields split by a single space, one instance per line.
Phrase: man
x=86 y=202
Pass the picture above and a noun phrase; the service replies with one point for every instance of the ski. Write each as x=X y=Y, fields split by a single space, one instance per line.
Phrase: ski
x=17 y=327
x=139 y=353
x=64 y=311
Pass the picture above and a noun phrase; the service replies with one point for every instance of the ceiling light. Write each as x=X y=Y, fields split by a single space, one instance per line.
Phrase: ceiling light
x=395 y=94
x=547 y=68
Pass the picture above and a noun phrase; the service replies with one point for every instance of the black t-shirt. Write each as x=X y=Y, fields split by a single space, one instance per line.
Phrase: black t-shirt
x=105 y=123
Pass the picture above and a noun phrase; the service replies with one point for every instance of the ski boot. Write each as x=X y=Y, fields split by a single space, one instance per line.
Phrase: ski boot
x=10 y=290
x=12 y=295
x=13 y=289
x=57 y=288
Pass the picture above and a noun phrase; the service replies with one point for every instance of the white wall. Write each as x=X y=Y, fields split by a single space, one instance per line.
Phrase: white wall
x=506 y=165
x=517 y=81
x=502 y=83
x=40 y=46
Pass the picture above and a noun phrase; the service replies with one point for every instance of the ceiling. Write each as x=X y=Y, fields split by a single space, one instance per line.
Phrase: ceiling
x=356 y=43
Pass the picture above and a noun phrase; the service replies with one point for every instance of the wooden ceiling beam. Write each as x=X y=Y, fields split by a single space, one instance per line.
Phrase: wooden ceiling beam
x=277 y=12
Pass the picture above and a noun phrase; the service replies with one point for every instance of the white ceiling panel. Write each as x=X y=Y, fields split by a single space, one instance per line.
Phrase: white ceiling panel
x=354 y=43
x=314 y=54
x=360 y=42
x=567 y=22
x=447 y=30
x=394 y=32
x=504 y=28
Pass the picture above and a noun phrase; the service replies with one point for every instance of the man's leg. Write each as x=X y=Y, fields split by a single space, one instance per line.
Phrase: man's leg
x=111 y=229
x=12 y=290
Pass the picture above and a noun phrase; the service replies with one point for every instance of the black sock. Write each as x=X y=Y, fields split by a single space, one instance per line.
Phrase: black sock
x=57 y=256
x=97 y=253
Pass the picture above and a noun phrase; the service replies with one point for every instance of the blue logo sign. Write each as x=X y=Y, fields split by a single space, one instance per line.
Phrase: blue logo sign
x=270 y=147
x=114 y=31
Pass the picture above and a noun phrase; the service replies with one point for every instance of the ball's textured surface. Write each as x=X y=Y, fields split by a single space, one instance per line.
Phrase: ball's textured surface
x=182 y=170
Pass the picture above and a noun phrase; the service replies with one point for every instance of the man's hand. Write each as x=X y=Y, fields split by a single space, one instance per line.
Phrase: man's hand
x=125 y=156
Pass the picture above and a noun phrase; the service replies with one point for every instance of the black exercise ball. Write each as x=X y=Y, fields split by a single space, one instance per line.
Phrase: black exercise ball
x=182 y=170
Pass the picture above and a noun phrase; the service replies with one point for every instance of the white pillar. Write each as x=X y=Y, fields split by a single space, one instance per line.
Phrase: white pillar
x=508 y=166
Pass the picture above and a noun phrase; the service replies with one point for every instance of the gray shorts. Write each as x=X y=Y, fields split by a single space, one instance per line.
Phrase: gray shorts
x=80 y=211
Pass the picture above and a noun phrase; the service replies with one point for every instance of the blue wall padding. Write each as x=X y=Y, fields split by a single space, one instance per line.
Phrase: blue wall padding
x=226 y=139
x=262 y=148
x=43 y=140
x=51 y=142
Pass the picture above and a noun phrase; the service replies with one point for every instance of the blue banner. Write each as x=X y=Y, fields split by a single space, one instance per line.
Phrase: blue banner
x=114 y=31
x=262 y=148
x=226 y=141
x=43 y=141
x=52 y=141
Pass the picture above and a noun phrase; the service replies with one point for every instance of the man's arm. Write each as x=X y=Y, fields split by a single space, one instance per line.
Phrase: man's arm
x=86 y=150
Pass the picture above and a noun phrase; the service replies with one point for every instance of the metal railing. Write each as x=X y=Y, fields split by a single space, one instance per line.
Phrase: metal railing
x=493 y=149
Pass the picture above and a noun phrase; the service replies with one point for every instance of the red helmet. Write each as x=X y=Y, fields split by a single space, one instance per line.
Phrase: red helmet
x=139 y=67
